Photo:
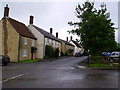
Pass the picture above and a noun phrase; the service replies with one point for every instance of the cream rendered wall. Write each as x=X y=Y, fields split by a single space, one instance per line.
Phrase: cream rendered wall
x=52 y=43
x=39 y=43
x=119 y=22
x=46 y=41
x=76 y=49
x=12 y=42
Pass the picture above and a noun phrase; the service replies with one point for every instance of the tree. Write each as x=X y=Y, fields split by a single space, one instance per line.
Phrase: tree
x=95 y=28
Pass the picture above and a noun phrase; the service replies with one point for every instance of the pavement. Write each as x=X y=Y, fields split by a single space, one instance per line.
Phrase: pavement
x=61 y=73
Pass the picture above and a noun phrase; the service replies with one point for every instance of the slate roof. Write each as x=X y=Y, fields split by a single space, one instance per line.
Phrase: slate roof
x=46 y=34
x=77 y=44
x=20 y=28
x=67 y=42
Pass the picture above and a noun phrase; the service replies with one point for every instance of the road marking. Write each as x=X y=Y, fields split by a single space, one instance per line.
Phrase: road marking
x=20 y=75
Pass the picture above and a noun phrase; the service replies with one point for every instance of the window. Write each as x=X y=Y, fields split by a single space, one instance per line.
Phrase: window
x=24 y=53
x=55 y=43
x=48 y=40
x=25 y=41
x=33 y=43
x=52 y=42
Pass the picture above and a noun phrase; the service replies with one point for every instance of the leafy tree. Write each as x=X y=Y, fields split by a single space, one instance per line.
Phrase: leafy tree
x=95 y=28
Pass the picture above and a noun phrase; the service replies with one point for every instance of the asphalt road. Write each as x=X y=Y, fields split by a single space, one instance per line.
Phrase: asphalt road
x=57 y=74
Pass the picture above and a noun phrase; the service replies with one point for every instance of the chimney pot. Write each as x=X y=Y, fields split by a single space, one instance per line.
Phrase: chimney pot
x=67 y=39
x=56 y=34
x=31 y=20
x=6 y=11
x=71 y=38
x=51 y=30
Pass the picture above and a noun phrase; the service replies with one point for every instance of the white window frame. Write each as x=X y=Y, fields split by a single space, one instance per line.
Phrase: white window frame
x=25 y=53
x=51 y=41
x=25 y=41
x=48 y=40
x=55 y=43
x=33 y=43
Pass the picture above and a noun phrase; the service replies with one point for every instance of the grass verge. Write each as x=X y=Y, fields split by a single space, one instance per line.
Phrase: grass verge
x=98 y=61
x=29 y=61
x=102 y=65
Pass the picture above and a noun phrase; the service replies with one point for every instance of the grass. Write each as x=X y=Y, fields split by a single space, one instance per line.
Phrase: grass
x=29 y=61
x=98 y=61
x=102 y=65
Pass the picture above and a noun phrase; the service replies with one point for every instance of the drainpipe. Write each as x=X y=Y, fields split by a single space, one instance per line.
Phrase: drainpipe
x=19 y=50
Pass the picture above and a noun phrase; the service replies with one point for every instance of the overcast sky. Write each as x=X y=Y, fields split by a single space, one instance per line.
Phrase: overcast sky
x=55 y=14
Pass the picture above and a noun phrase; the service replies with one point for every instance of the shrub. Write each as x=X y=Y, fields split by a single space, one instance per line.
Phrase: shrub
x=56 y=53
x=50 y=52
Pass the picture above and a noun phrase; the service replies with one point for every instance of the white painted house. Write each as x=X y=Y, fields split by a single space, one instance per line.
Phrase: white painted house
x=77 y=47
x=119 y=22
x=43 y=38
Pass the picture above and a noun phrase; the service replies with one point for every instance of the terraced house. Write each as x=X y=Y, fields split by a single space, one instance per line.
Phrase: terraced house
x=16 y=41
x=43 y=38
x=78 y=48
x=66 y=47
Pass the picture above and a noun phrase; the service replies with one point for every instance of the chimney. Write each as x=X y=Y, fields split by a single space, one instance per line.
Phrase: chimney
x=67 y=39
x=71 y=38
x=51 y=30
x=31 y=20
x=56 y=34
x=6 y=11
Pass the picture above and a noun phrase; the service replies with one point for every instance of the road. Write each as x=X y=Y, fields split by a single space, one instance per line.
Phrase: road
x=57 y=74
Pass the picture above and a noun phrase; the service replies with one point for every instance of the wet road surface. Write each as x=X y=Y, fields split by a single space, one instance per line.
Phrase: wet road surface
x=57 y=74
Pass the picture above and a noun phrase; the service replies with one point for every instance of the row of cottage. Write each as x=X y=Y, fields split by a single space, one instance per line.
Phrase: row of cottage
x=21 y=42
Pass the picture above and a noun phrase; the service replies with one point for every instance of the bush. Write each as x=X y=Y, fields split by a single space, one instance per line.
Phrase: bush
x=50 y=52
x=56 y=53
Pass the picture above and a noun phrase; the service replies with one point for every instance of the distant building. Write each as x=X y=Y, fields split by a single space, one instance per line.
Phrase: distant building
x=119 y=22
x=16 y=41
x=78 y=47
x=43 y=38
x=67 y=47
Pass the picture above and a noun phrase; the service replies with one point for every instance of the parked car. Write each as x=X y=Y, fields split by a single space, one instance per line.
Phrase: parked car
x=106 y=53
x=4 y=60
x=78 y=55
x=114 y=56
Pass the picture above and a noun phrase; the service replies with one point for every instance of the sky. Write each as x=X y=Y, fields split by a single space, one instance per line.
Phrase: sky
x=53 y=13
